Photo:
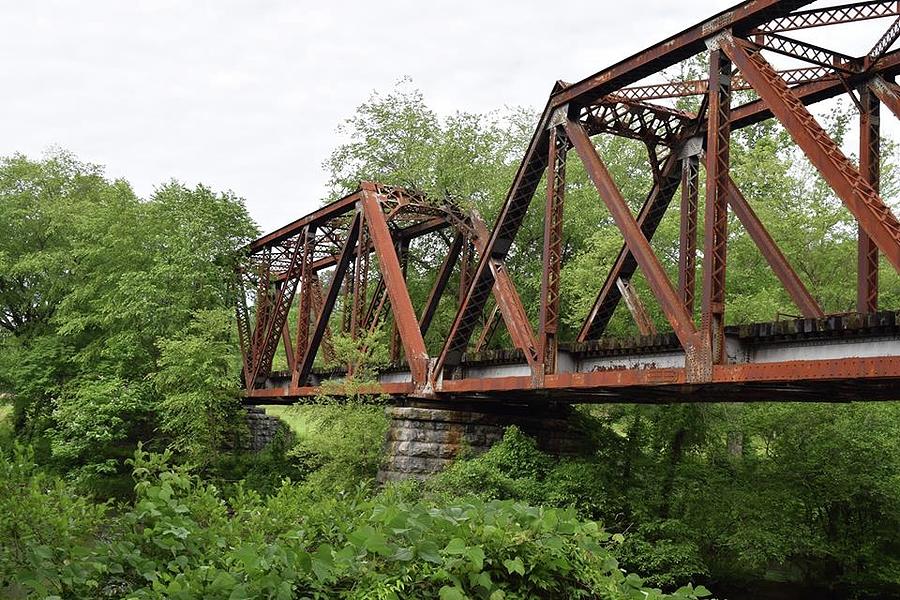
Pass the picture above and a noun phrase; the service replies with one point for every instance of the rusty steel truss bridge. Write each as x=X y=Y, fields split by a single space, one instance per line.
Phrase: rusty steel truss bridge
x=342 y=269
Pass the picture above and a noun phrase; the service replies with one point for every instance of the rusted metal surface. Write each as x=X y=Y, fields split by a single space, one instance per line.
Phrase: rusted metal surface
x=681 y=322
x=860 y=198
x=553 y=248
x=395 y=283
x=773 y=255
x=715 y=221
x=636 y=307
x=687 y=243
x=832 y=15
x=818 y=357
x=870 y=169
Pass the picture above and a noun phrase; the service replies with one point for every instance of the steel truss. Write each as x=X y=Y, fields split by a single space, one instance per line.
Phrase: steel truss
x=359 y=245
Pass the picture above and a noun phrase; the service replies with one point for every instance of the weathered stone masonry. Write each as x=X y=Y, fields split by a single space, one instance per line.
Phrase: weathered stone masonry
x=424 y=438
x=262 y=428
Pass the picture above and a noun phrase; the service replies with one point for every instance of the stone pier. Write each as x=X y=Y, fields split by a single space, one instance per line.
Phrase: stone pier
x=423 y=438
x=262 y=429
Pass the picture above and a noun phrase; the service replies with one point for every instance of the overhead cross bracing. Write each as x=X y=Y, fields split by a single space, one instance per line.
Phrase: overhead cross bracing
x=362 y=242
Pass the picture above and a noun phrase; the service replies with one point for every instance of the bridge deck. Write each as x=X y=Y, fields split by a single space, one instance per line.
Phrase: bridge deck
x=837 y=359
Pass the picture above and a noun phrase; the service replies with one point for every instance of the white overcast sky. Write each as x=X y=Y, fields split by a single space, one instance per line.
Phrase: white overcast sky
x=246 y=95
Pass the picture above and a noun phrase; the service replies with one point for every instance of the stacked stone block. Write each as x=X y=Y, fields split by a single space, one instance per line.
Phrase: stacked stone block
x=262 y=429
x=424 y=439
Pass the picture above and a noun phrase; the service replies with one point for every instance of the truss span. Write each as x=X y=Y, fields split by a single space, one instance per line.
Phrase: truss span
x=342 y=270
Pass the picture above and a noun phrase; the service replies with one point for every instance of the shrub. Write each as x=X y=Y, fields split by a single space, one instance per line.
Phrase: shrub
x=181 y=539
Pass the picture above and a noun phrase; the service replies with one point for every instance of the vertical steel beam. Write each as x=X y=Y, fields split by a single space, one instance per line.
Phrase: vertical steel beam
x=401 y=305
x=668 y=298
x=553 y=246
x=808 y=306
x=360 y=279
x=715 y=240
x=263 y=300
x=687 y=242
x=243 y=319
x=305 y=363
x=870 y=169
x=440 y=282
x=861 y=199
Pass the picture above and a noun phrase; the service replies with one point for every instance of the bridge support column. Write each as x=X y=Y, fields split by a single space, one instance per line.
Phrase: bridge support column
x=424 y=438
x=262 y=429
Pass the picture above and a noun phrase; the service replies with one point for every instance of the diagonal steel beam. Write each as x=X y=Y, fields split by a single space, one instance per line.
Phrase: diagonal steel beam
x=526 y=180
x=509 y=302
x=884 y=43
x=773 y=255
x=288 y=345
x=861 y=199
x=440 y=282
x=305 y=362
x=315 y=303
x=401 y=305
x=811 y=92
x=636 y=308
x=742 y=18
x=664 y=186
x=665 y=293
x=489 y=328
x=887 y=92
x=625 y=265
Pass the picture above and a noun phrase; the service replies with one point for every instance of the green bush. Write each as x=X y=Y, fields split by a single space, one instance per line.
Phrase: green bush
x=181 y=539
x=47 y=532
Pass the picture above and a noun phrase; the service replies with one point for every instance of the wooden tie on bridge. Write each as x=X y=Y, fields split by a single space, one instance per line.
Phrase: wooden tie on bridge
x=353 y=253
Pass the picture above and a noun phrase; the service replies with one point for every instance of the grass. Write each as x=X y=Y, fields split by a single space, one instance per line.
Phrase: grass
x=294 y=416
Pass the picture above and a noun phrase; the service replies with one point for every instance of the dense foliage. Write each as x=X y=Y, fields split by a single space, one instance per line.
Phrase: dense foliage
x=115 y=312
x=181 y=539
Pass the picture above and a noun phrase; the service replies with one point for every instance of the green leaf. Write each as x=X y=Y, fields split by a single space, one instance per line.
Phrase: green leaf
x=514 y=566
x=222 y=582
x=322 y=562
x=476 y=555
x=455 y=546
x=451 y=593
x=428 y=551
